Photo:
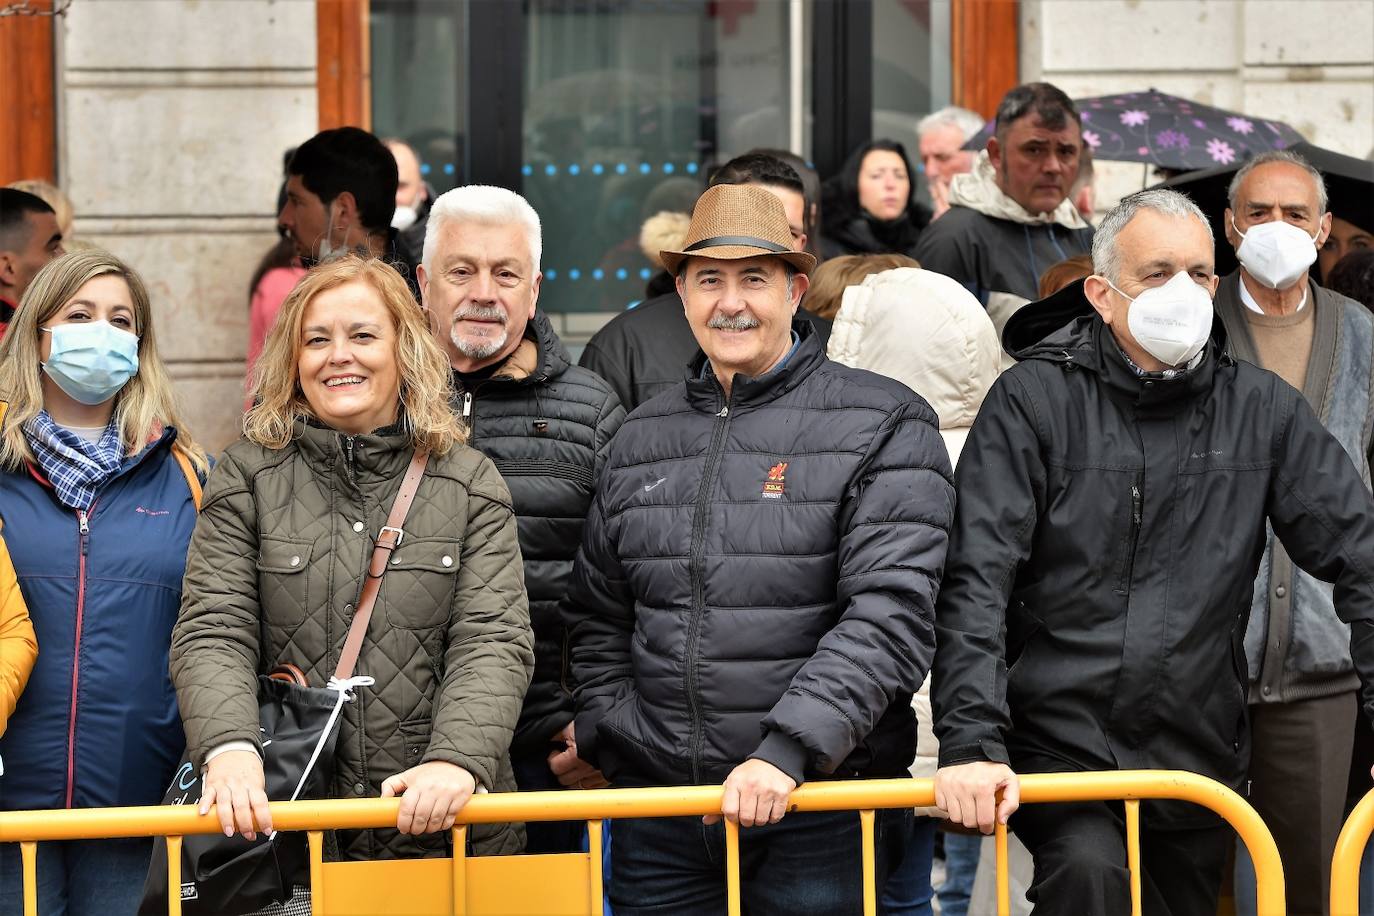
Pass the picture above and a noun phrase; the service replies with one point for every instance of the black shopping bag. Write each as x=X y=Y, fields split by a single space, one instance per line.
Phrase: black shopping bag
x=230 y=875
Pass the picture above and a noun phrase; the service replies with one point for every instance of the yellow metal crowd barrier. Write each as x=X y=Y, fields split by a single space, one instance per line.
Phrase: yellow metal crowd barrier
x=1345 y=866
x=564 y=885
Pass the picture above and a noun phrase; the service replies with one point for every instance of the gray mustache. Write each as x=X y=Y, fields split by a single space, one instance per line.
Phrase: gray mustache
x=480 y=313
x=741 y=322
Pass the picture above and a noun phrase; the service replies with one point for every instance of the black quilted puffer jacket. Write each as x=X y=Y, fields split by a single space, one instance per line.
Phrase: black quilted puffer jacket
x=285 y=535
x=546 y=424
x=758 y=577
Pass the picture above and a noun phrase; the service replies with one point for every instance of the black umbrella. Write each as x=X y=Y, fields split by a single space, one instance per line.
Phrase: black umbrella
x=1349 y=191
x=1170 y=132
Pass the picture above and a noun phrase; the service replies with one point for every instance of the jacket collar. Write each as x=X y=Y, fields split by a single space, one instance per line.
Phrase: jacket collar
x=704 y=393
x=1065 y=329
x=379 y=455
x=539 y=357
x=978 y=190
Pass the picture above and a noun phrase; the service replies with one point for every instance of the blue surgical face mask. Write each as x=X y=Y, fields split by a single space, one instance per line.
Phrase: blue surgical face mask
x=91 y=361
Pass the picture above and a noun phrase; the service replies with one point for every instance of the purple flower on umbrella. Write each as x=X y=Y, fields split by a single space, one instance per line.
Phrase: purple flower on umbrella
x=1134 y=117
x=1143 y=151
x=1240 y=125
x=1199 y=124
x=1085 y=115
x=1171 y=139
x=1092 y=139
x=1221 y=151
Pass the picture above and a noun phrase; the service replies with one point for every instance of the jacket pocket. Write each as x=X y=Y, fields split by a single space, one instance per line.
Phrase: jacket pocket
x=282 y=580
x=1022 y=629
x=1126 y=568
x=414 y=740
x=417 y=590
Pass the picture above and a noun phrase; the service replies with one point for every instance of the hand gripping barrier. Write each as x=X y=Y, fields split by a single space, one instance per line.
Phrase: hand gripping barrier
x=1345 y=865
x=572 y=884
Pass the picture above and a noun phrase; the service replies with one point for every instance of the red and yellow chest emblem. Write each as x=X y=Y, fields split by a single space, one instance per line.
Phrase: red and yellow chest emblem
x=776 y=483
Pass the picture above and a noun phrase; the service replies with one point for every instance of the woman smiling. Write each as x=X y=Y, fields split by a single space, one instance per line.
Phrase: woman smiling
x=350 y=385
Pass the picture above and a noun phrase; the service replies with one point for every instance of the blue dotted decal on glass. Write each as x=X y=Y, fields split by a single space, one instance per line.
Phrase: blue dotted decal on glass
x=448 y=168
x=424 y=168
x=598 y=168
x=550 y=170
x=645 y=273
x=574 y=274
x=598 y=274
x=645 y=168
x=692 y=168
x=622 y=274
x=669 y=168
x=550 y=274
x=527 y=170
x=574 y=169
x=621 y=168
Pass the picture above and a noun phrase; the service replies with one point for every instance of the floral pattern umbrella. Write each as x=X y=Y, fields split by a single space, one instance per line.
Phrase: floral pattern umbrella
x=1170 y=132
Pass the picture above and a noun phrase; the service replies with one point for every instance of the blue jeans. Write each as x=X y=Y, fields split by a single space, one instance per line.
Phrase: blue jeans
x=961 y=866
x=79 y=877
x=806 y=863
x=908 y=891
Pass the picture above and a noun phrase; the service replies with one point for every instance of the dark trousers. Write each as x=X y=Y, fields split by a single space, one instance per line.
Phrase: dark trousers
x=1299 y=764
x=1079 y=850
x=532 y=774
x=79 y=877
x=807 y=864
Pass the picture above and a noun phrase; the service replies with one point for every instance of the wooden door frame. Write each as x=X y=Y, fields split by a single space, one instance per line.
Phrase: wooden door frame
x=343 y=64
x=985 y=52
x=28 y=96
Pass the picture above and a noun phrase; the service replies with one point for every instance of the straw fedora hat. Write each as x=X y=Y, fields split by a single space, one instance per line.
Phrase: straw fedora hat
x=735 y=221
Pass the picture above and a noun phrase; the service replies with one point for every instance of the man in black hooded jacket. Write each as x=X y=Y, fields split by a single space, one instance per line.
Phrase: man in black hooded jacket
x=1113 y=496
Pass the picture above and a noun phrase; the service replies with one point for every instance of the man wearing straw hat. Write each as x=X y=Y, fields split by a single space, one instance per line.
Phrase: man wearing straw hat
x=753 y=600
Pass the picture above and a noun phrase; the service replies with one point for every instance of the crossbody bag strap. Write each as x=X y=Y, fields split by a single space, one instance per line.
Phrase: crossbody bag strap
x=388 y=540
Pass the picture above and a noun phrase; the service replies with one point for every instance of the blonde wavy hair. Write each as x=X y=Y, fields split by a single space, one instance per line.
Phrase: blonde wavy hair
x=426 y=379
x=142 y=408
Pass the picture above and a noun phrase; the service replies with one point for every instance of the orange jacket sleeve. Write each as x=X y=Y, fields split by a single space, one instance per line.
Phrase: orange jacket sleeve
x=18 y=647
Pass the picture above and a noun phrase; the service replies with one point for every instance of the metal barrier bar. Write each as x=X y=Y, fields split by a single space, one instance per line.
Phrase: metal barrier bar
x=1133 y=852
x=594 y=850
x=869 y=863
x=1345 y=864
x=460 y=869
x=732 y=905
x=1003 y=872
x=316 y=838
x=678 y=801
x=173 y=876
x=29 y=853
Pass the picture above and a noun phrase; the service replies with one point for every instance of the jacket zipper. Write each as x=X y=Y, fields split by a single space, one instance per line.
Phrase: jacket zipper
x=697 y=566
x=83 y=542
x=1137 y=512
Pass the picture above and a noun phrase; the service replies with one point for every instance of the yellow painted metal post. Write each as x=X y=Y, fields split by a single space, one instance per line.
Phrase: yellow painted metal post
x=1133 y=851
x=316 y=838
x=594 y=850
x=1345 y=865
x=1003 y=867
x=29 y=853
x=460 y=869
x=173 y=876
x=731 y=868
x=870 y=865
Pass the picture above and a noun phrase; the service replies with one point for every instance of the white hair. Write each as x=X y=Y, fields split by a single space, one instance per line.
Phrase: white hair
x=479 y=203
x=1106 y=258
x=1279 y=155
x=968 y=122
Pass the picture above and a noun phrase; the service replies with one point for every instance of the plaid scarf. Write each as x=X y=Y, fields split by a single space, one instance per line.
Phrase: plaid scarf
x=77 y=468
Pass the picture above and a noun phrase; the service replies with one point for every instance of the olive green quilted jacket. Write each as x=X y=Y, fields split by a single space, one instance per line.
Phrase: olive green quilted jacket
x=275 y=568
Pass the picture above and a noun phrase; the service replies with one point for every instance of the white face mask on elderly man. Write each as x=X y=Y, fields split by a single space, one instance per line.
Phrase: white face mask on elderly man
x=1276 y=253
x=1171 y=322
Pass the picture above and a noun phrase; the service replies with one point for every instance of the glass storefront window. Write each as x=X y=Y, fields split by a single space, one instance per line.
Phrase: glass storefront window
x=912 y=73
x=626 y=106
x=419 y=82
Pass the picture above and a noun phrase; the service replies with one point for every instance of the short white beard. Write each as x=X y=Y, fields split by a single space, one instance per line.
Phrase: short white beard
x=487 y=347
